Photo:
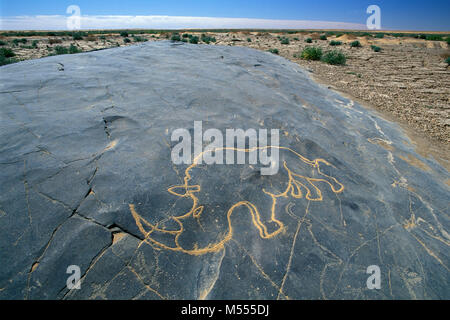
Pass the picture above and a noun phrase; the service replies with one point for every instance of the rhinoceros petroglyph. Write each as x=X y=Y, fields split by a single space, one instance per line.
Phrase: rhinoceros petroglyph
x=209 y=228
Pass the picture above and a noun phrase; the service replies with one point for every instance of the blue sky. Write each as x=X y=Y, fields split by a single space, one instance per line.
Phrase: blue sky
x=400 y=15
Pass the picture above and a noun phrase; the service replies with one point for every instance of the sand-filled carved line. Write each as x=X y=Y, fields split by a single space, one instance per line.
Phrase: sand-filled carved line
x=294 y=189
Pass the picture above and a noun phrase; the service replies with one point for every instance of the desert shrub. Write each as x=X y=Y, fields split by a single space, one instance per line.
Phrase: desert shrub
x=34 y=44
x=61 y=50
x=295 y=39
x=334 y=57
x=4 y=60
x=126 y=40
x=434 y=37
x=249 y=40
x=274 y=51
x=91 y=38
x=139 y=39
x=185 y=35
x=77 y=36
x=448 y=60
x=284 y=41
x=308 y=40
x=102 y=38
x=448 y=40
x=375 y=48
x=74 y=49
x=323 y=37
x=311 y=53
x=194 y=40
x=355 y=44
x=17 y=41
x=176 y=37
x=184 y=40
x=3 y=43
x=335 y=43
x=124 y=34
x=207 y=39
x=379 y=35
x=6 y=53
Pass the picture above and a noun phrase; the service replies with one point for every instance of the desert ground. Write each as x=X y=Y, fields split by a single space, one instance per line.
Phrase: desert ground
x=406 y=79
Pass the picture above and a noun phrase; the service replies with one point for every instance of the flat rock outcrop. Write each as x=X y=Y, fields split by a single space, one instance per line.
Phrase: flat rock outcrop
x=87 y=180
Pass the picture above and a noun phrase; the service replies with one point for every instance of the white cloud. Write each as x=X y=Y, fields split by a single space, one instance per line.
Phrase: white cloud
x=59 y=22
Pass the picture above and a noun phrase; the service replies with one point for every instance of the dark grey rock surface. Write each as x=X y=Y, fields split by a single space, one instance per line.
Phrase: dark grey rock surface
x=85 y=146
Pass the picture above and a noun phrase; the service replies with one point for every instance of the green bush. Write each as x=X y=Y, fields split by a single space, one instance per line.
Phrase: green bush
x=355 y=44
x=186 y=35
x=61 y=50
x=34 y=44
x=194 y=39
x=375 y=48
x=176 y=37
x=249 y=40
x=434 y=37
x=6 y=53
x=311 y=53
x=126 y=40
x=207 y=39
x=274 y=51
x=124 y=34
x=102 y=38
x=295 y=39
x=334 y=57
x=17 y=41
x=448 y=60
x=3 y=43
x=323 y=37
x=308 y=40
x=335 y=43
x=448 y=40
x=74 y=49
x=379 y=35
x=77 y=36
x=284 y=40
x=4 y=60
x=139 y=39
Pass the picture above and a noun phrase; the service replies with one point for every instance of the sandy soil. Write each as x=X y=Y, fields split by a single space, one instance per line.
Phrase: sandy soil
x=408 y=81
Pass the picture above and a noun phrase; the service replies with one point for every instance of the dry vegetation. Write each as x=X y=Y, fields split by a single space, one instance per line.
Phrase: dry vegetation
x=403 y=75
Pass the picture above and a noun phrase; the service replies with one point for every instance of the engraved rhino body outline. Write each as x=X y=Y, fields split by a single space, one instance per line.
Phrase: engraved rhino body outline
x=294 y=189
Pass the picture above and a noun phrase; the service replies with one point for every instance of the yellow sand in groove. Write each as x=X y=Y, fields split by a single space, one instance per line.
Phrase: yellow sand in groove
x=294 y=189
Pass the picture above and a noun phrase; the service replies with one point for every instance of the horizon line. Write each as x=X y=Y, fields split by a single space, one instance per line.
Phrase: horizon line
x=105 y=22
